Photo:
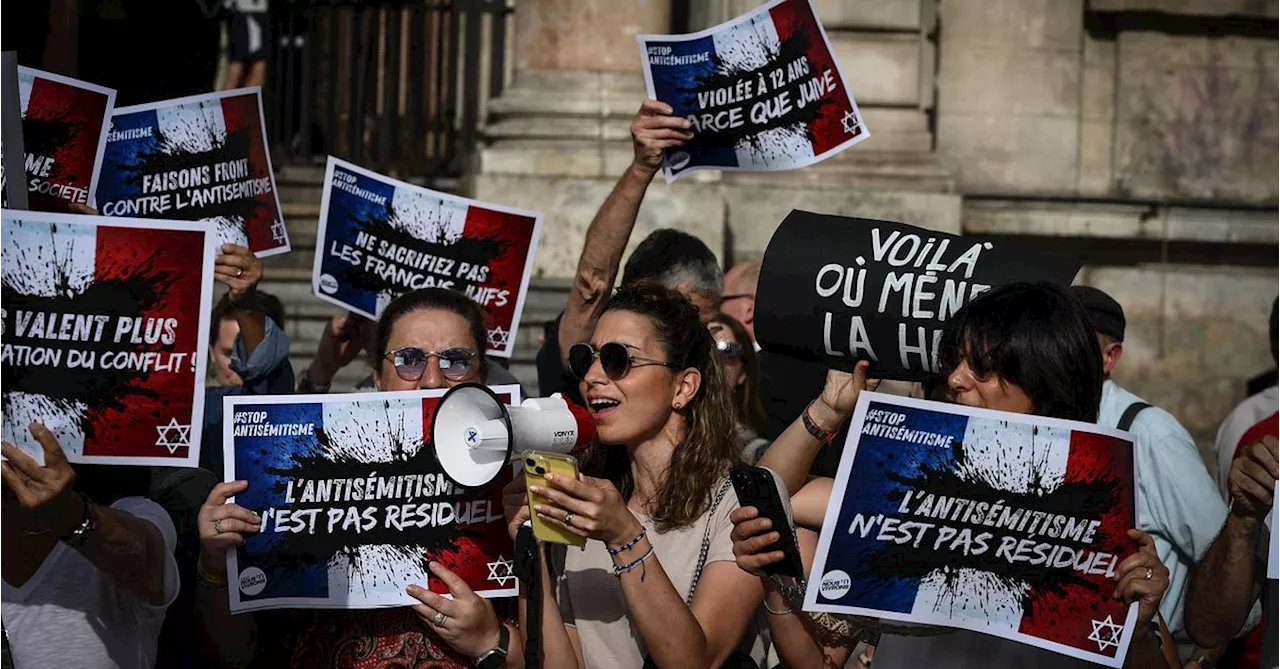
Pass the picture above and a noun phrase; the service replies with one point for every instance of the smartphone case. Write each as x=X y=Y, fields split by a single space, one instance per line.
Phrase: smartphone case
x=560 y=465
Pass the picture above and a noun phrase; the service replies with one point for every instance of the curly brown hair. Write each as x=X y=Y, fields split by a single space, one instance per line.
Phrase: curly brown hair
x=699 y=464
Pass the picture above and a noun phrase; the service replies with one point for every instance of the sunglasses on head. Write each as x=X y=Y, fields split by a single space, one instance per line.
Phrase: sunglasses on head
x=728 y=349
x=411 y=362
x=615 y=359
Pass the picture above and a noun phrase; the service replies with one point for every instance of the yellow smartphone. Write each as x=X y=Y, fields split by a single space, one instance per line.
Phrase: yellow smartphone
x=537 y=465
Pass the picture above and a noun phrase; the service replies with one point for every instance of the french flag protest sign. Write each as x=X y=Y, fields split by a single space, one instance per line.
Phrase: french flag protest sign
x=354 y=504
x=198 y=158
x=105 y=328
x=762 y=91
x=64 y=123
x=1006 y=524
x=379 y=238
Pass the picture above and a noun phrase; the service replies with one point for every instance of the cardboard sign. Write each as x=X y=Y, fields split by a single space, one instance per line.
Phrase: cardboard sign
x=199 y=158
x=1005 y=524
x=105 y=335
x=841 y=289
x=64 y=124
x=13 y=184
x=354 y=505
x=380 y=238
x=762 y=91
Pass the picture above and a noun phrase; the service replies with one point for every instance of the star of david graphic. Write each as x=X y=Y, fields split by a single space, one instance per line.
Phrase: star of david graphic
x=277 y=231
x=1106 y=633
x=498 y=338
x=166 y=436
x=500 y=570
x=850 y=124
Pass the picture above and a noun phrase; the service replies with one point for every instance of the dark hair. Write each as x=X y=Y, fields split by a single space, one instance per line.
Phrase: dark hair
x=430 y=298
x=257 y=300
x=1036 y=336
x=670 y=257
x=709 y=447
x=746 y=397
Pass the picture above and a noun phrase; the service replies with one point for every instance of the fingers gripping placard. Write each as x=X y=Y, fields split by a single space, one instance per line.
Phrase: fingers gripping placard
x=845 y=289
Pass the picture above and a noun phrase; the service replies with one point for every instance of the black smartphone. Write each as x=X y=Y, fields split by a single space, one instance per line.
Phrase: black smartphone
x=755 y=487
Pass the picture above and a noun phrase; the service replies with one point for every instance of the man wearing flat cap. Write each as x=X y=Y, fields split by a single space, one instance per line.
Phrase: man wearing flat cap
x=1178 y=502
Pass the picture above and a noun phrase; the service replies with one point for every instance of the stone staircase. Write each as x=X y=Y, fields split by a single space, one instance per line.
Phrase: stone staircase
x=288 y=276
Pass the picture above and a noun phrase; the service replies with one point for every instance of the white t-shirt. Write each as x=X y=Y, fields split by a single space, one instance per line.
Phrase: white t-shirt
x=70 y=614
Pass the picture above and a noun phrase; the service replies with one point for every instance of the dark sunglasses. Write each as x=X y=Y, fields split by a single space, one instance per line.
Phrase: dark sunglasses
x=411 y=362
x=728 y=349
x=615 y=359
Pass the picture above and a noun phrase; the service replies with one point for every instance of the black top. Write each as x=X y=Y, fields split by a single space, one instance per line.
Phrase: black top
x=787 y=385
x=552 y=375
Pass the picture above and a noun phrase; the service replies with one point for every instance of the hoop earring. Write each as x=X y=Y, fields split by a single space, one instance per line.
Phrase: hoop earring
x=679 y=406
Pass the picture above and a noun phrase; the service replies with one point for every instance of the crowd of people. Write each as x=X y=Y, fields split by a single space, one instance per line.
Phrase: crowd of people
x=126 y=567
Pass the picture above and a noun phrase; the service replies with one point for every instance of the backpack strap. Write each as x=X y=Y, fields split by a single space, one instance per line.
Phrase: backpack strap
x=1131 y=413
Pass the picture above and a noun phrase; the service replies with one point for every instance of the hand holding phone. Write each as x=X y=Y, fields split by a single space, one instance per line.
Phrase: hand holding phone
x=757 y=487
x=537 y=465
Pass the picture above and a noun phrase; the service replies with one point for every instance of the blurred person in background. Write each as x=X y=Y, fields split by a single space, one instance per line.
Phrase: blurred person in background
x=737 y=355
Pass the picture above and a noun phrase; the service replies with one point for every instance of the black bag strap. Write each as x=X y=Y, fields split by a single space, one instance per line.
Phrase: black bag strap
x=530 y=571
x=1130 y=413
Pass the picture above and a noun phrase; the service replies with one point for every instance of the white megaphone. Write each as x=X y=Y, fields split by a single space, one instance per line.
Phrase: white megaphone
x=475 y=434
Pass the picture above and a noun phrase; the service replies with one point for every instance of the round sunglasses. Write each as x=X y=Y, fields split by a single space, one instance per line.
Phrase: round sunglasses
x=615 y=359
x=411 y=362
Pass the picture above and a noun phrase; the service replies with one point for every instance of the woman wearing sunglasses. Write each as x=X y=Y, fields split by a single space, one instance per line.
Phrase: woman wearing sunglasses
x=738 y=357
x=430 y=338
x=654 y=502
x=1022 y=348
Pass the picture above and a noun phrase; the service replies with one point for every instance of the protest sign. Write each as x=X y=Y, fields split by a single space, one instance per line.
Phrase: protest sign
x=105 y=327
x=354 y=505
x=379 y=238
x=840 y=289
x=199 y=158
x=64 y=125
x=13 y=183
x=1006 y=524
x=762 y=91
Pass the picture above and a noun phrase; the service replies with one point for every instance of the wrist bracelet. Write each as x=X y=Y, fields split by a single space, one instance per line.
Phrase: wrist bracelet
x=813 y=428
x=765 y=602
x=619 y=570
x=206 y=577
x=644 y=531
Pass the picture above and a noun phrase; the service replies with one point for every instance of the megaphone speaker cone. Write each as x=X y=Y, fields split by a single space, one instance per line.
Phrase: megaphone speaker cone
x=471 y=432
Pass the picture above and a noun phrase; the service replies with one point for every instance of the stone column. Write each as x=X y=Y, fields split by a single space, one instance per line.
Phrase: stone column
x=559 y=137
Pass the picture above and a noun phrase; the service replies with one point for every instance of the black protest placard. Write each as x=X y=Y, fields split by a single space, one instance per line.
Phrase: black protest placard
x=840 y=289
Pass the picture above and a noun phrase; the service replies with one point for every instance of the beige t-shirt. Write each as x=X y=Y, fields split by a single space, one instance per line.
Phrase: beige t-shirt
x=591 y=598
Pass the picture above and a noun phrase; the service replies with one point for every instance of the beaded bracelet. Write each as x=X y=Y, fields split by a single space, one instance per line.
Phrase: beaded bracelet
x=619 y=570
x=644 y=531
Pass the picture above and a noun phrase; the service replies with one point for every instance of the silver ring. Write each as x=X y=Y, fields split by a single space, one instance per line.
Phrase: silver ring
x=239 y=272
x=568 y=517
x=438 y=621
x=217 y=527
x=1150 y=572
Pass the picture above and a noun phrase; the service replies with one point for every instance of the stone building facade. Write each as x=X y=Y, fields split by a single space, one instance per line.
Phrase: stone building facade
x=1138 y=135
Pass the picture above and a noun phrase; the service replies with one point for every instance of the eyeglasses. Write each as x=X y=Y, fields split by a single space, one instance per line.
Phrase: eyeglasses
x=728 y=349
x=615 y=359
x=411 y=362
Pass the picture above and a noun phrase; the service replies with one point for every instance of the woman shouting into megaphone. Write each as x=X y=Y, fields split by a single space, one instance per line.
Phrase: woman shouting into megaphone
x=426 y=339
x=655 y=584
